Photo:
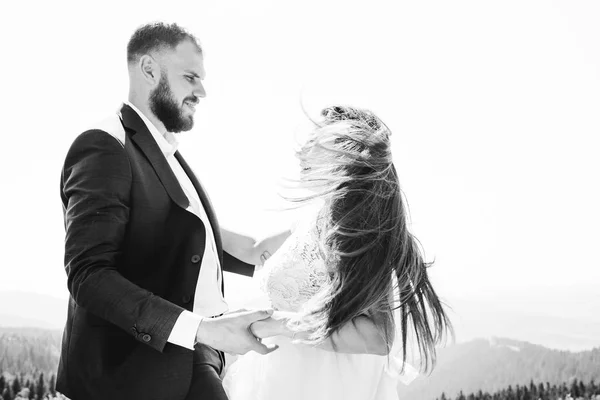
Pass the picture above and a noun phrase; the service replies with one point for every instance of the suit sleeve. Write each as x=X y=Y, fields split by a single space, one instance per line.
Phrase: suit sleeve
x=96 y=184
x=236 y=266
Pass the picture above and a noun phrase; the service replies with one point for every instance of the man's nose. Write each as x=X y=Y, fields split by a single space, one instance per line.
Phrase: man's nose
x=199 y=90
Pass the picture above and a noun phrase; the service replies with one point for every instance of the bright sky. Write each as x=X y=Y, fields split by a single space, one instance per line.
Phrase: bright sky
x=493 y=107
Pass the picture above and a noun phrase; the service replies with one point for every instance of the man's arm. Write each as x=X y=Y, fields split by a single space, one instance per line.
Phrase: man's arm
x=236 y=266
x=250 y=250
x=96 y=183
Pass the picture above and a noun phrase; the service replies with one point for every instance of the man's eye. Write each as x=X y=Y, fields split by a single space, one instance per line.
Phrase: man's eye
x=189 y=78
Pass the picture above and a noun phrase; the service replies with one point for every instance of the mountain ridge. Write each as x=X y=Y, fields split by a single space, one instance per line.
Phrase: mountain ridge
x=495 y=363
x=472 y=319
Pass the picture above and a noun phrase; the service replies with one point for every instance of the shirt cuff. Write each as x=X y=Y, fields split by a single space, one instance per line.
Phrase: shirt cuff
x=185 y=329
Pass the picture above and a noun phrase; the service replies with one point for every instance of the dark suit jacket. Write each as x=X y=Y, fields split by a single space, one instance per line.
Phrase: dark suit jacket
x=132 y=256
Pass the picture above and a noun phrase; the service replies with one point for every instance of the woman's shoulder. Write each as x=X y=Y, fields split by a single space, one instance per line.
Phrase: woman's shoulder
x=306 y=218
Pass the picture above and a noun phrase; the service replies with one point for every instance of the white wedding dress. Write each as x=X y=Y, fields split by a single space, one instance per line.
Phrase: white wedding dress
x=296 y=371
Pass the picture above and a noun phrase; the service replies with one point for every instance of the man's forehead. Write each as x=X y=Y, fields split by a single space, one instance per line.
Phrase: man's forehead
x=186 y=55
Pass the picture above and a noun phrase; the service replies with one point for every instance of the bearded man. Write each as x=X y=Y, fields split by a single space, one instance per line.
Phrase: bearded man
x=144 y=252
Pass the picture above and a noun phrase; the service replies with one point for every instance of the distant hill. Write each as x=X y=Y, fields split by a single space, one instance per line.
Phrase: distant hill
x=545 y=324
x=494 y=364
x=549 y=324
x=21 y=309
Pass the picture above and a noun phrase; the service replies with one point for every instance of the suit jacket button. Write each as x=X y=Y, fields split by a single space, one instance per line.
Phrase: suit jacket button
x=186 y=299
x=146 y=338
x=195 y=258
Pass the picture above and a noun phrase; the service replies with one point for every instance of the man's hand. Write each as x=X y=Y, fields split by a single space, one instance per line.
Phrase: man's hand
x=230 y=333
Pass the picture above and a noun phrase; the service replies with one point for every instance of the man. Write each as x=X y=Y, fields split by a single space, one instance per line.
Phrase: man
x=143 y=250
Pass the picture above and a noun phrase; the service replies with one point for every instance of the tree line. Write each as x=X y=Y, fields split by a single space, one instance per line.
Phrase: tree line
x=34 y=386
x=576 y=390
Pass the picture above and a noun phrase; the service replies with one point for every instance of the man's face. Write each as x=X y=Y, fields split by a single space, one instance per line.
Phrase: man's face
x=180 y=87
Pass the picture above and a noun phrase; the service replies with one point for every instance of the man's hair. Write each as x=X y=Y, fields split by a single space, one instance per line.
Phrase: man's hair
x=157 y=36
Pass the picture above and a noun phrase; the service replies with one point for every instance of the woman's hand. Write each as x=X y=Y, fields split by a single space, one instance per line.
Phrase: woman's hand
x=276 y=325
x=263 y=258
x=248 y=249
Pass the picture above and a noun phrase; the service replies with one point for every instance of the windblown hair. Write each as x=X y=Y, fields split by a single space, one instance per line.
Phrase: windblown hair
x=368 y=250
x=157 y=36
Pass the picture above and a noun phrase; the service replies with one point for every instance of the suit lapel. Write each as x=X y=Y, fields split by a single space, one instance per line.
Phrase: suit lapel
x=210 y=212
x=143 y=138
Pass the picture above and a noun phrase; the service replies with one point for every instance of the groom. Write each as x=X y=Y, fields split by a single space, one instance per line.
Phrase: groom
x=143 y=252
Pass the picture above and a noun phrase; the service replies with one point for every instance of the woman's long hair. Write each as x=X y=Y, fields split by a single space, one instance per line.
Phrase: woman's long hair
x=367 y=247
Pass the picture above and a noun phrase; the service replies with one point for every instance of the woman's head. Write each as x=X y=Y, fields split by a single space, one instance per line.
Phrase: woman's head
x=369 y=251
x=348 y=143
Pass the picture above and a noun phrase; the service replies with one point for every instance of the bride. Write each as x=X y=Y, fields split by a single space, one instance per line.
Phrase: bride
x=348 y=285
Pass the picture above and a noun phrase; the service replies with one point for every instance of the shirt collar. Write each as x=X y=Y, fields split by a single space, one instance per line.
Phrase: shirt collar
x=168 y=143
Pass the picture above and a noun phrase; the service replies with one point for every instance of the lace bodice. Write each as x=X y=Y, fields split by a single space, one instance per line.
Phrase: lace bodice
x=296 y=272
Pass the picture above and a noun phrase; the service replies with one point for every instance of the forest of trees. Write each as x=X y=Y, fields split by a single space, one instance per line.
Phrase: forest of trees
x=29 y=350
x=28 y=363
x=28 y=386
x=576 y=390
x=39 y=388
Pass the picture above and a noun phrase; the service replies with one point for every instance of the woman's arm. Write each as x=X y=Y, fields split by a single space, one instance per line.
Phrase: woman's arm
x=250 y=250
x=361 y=336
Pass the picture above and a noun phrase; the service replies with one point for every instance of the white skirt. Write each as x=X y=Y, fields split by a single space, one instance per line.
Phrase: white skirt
x=298 y=372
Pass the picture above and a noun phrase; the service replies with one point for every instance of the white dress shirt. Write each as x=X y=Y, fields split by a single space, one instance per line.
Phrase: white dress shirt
x=208 y=299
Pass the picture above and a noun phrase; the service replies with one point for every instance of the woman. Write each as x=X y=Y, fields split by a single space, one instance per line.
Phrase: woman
x=349 y=284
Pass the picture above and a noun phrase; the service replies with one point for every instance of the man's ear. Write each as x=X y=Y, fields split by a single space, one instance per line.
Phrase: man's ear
x=149 y=69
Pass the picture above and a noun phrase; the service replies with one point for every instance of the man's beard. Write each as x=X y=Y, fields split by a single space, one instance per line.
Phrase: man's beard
x=166 y=109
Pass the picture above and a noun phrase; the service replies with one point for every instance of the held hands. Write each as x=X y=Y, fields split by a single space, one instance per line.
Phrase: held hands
x=231 y=332
x=274 y=326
